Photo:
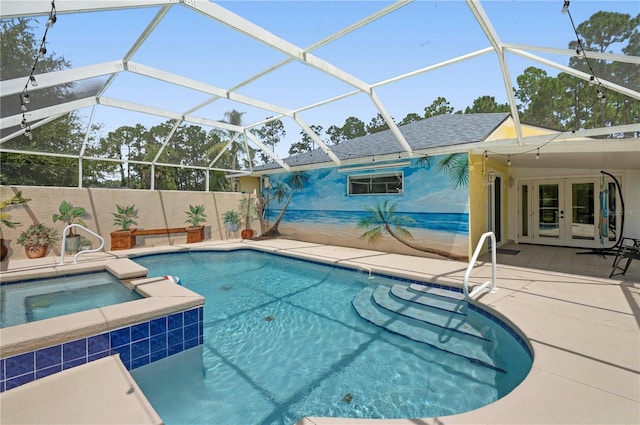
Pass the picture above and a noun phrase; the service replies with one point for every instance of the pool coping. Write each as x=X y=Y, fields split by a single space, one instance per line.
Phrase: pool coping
x=583 y=332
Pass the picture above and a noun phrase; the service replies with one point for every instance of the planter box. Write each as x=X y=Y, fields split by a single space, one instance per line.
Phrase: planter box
x=123 y=239
x=195 y=234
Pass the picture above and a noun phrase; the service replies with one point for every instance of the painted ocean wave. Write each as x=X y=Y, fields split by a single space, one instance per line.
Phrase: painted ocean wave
x=445 y=222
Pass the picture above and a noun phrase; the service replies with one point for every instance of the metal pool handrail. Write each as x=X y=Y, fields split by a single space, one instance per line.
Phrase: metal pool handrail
x=465 y=282
x=75 y=257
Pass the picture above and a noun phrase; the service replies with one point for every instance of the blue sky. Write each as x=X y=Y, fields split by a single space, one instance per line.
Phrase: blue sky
x=420 y=34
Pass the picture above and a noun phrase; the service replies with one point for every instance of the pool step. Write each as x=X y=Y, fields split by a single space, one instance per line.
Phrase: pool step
x=431 y=297
x=444 y=326
x=448 y=320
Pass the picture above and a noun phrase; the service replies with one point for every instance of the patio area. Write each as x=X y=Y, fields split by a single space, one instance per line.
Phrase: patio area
x=564 y=260
x=582 y=327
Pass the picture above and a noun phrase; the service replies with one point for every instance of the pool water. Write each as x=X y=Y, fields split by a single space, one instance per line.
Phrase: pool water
x=33 y=300
x=282 y=341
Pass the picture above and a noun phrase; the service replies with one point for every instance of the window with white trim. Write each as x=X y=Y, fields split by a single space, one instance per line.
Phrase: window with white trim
x=376 y=184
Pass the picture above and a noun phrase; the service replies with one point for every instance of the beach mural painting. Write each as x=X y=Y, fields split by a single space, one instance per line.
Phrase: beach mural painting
x=418 y=207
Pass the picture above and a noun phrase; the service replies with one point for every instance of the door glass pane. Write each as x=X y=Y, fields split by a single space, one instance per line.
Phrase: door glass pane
x=524 y=211
x=548 y=211
x=582 y=211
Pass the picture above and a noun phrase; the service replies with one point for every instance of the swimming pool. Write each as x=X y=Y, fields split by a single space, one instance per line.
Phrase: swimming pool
x=33 y=300
x=282 y=341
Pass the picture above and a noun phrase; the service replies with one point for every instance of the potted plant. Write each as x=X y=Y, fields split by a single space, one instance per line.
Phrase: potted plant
x=85 y=244
x=248 y=214
x=36 y=239
x=124 y=218
x=231 y=221
x=195 y=218
x=7 y=221
x=70 y=215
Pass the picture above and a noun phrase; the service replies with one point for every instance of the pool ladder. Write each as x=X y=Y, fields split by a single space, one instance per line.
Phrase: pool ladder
x=64 y=243
x=492 y=282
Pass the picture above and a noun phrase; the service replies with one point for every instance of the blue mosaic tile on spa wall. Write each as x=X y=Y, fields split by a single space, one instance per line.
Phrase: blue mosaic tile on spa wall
x=137 y=345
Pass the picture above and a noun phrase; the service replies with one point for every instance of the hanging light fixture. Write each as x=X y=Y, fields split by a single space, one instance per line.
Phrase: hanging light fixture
x=538 y=154
x=565 y=8
x=592 y=80
x=23 y=124
x=24 y=97
x=580 y=51
x=52 y=20
x=509 y=160
x=42 y=52
x=33 y=81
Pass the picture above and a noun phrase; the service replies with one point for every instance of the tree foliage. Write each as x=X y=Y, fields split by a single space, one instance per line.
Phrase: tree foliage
x=271 y=133
x=377 y=124
x=438 y=107
x=306 y=143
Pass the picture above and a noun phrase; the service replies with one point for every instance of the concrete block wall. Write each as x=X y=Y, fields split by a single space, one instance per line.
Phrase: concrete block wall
x=156 y=209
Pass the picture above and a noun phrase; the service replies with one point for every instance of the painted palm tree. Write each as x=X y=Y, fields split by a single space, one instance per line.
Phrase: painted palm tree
x=382 y=219
x=423 y=162
x=296 y=181
x=457 y=166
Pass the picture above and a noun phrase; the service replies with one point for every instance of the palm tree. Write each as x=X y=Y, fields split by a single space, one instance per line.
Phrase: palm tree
x=235 y=118
x=296 y=181
x=383 y=219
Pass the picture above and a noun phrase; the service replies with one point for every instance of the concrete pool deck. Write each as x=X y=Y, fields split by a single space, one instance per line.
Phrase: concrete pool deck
x=583 y=330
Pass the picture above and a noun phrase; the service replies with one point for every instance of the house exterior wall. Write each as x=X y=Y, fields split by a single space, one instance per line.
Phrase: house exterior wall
x=249 y=183
x=479 y=167
x=156 y=209
x=324 y=212
x=628 y=179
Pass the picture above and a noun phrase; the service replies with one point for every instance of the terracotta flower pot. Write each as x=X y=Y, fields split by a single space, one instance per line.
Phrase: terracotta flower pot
x=246 y=234
x=38 y=251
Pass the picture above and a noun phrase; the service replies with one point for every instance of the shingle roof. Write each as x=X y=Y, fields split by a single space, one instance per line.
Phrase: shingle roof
x=439 y=131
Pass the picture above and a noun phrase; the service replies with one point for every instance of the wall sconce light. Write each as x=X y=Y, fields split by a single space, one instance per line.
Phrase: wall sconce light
x=491 y=177
x=266 y=182
x=511 y=181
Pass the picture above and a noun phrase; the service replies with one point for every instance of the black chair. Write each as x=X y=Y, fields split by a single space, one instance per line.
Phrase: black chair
x=629 y=249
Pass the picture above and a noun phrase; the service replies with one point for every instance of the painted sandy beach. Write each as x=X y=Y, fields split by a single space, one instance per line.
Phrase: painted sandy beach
x=350 y=236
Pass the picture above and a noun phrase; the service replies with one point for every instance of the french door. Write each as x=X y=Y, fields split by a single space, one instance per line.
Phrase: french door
x=576 y=212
